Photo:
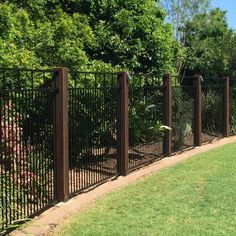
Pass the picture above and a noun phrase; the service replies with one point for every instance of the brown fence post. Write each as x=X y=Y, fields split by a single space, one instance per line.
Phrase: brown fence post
x=123 y=126
x=226 y=125
x=167 y=141
x=198 y=111
x=60 y=76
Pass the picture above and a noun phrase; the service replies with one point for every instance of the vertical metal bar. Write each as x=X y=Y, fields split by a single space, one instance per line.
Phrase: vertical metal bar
x=123 y=126
x=87 y=172
x=60 y=76
x=84 y=140
x=167 y=141
x=74 y=153
x=12 y=151
x=9 y=140
x=198 y=111
x=72 y=156
x=226 y=123
x=43 y=155
x=36 y=139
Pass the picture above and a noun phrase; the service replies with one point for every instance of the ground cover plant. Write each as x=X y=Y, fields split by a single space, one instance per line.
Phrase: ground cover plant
x=196 y=197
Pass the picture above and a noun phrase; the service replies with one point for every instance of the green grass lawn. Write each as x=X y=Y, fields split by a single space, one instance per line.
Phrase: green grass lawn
x=196 y=197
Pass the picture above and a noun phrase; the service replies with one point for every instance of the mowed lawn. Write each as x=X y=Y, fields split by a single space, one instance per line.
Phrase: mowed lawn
x=196 y=197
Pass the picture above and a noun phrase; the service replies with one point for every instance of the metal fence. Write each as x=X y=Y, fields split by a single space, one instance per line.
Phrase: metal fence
x=92 y=129
x=59 y=137
x=212 y=111
x=145 y=118
x=183 y=117
x=26 y=145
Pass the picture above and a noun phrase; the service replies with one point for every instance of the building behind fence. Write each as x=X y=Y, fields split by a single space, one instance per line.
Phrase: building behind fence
x=60 y=138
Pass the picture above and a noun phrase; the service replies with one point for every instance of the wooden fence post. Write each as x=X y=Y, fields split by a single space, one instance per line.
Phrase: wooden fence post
x=226 y=125
x=198 y=111
x=123 y=126
x=167 y=141
x=60 y=76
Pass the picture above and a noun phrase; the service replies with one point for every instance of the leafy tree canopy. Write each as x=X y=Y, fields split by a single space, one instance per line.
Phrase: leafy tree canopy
x=209 y=42
x=86 y=35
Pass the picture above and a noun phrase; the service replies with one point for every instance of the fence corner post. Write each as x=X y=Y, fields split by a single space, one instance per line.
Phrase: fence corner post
x=123 y=126
x=60 y=81
x=198 y=111
x=167 y=141
x=226 y=122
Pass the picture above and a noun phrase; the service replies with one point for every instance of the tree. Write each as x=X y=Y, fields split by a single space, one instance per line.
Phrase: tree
x=180 y=12
x=208 y=43
x=131 y=34
x=87 y=35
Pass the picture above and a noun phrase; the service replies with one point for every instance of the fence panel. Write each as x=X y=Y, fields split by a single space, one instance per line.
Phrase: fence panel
x=26 y=147
x=145 y=118
x=183 y=98
x=212 y=111
x=92 y=130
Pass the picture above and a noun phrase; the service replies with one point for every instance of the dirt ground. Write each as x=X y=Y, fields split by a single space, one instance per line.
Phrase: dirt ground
x=92 y=169
x=47 y=222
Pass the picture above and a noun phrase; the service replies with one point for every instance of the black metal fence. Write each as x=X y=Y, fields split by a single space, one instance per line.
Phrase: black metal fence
x=145 y=120
x=212 y=110
x=26 y=145
x=58 y=139
x=183 y=116
x=92 y=129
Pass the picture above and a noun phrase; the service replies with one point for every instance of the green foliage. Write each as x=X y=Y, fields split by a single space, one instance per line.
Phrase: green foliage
x=133 y=35
x=145 y=116
x=86 y=35
x=208 y=44
x=180 y=12
x=207 y=51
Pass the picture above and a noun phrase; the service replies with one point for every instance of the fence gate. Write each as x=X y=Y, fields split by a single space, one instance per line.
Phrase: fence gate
x=92 y=115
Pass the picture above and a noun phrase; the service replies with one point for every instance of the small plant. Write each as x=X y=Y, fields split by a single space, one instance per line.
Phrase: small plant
x=145 y=124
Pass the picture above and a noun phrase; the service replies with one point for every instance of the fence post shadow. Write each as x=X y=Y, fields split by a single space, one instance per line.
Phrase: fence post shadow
x=167 y=114
x=60 y=81
x=123 y=126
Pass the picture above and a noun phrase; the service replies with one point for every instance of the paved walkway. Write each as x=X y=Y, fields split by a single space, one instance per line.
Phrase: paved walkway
x=46 y=223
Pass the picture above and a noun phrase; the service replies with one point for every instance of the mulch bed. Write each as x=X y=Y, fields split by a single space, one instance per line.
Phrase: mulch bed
x=92 y=169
